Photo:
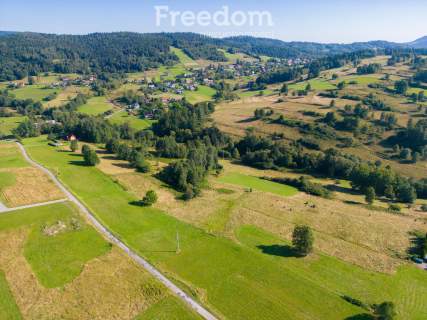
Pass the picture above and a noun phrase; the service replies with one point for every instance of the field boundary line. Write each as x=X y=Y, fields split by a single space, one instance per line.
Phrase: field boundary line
x=109 y=235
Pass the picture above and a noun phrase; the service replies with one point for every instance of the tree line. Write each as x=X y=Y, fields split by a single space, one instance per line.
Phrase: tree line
x=264 y=153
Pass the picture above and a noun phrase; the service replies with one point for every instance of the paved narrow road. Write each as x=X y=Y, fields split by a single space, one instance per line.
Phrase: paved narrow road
x=4 y=209
x=141 y=261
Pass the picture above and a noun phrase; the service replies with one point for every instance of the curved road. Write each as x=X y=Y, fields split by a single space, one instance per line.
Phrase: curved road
x=141 y=261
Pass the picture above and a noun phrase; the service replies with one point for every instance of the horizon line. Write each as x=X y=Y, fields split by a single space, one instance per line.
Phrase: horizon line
x=214 y=37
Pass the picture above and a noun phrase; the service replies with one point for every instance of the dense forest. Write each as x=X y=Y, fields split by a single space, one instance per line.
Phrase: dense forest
x=281 y=49
x=27 y=53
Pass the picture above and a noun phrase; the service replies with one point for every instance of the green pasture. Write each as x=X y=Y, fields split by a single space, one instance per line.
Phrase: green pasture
x=361 y=80
x=258 y=184
x=230 y=274
x=7 y=124
x=56 y=260
x=95 y=106
x=182 y=56
x=122 y=117
x=8 y=308
x=248 y=93
x=10 y=156
x=168 y=308
x=203 y=93
x=316 y=84
x=36 y=92
x=7 y=179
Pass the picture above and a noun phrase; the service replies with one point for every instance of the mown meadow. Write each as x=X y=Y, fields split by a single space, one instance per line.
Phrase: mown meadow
x=258 y=276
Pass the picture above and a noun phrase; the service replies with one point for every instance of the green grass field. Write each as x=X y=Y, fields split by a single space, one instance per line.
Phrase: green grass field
x=407 y=288
x=232 y=57
x=56 y=260
x=168 y=308
x=8 y=308
x=169 y=73
x=248 y=93
x=361 y=80
x=203 y=93
x=55 y=77
x=316 y=84
x=412 y=90
x=239 y=281
x=55 y=266
x=136 y=123
x=7 y=179
x=7 y=124
x=258 y=184
x=182 y=56
x=95 y=106
x=36 y=92
x=10 y=156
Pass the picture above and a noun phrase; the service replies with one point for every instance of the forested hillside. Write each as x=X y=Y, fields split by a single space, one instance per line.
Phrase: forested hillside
x=30 y=53
x=23 y=54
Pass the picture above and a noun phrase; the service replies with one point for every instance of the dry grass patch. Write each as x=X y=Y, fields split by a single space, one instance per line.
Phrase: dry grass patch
x=235 y=117
x=111 y=165
x=353 y=233
x=65 y=95
x=30 y=186
x=370 y=239
x=110 y=287
x=201 y=211
x=374 y=153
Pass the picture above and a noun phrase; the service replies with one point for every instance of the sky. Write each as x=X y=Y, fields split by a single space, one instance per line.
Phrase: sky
x=327 y=21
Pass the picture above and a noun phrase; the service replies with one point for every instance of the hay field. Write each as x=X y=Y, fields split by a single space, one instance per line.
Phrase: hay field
x=72 y=272
x=254 y=274
x=371 y=239
x=24 y=184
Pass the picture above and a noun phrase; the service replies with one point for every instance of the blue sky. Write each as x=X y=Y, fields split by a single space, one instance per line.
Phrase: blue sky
x=305 y=20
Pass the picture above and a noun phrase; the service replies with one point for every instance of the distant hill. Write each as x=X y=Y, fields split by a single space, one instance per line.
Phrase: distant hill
x=282 y=49
x=419 y=43
x=5 y=33
x=23 y=53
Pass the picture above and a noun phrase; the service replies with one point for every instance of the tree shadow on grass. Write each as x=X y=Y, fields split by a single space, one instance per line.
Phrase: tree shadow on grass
x=352 y=202
x=251 y=119
x=362 y=316
x=72 y=154
x=123 y=165
x=279 y=250
x=137 y=203
x=78 y=163
x=416 y=243
x=110 y=158
x=337 y=188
